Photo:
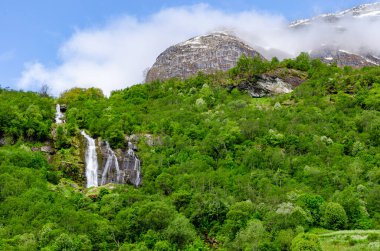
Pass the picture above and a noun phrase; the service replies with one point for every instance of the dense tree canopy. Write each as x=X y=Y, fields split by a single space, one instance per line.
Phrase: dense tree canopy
x=224 y=170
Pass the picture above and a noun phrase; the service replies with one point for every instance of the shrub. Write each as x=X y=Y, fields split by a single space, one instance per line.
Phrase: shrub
x=180 y=231
x=306 y=242
x=333 y=216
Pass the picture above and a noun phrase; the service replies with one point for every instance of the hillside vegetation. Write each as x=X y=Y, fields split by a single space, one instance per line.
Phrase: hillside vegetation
x=224 y=171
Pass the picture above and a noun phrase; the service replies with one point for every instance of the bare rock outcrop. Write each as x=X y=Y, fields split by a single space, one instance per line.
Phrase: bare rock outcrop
x=209 y=53
x=275 y=82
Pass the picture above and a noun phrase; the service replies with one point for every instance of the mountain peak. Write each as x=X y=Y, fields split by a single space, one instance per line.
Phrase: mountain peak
x=206 y=53
x=335 y=49
x=371 y=10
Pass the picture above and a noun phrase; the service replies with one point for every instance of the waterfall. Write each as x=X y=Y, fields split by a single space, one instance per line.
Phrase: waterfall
x=58 y=114
x=91 y=162
x=138 y=170
x=107 y=171
x=135 y=164
x=120 y=170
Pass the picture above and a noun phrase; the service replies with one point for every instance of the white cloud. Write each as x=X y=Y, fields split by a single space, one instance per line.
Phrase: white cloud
x=115 y=56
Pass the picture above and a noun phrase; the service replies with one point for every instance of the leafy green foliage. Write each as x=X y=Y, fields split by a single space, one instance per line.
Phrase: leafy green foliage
x=306 y=242
x=180 y=232
x=220 y=169
x=333 y=216
x=25 y=116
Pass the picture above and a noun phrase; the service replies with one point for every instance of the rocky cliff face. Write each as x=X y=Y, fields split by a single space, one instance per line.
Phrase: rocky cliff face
x=120 y=166
x=275 y=82
x=208 y=53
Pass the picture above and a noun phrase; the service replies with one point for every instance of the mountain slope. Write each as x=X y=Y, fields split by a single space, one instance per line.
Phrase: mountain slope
x=227 y=171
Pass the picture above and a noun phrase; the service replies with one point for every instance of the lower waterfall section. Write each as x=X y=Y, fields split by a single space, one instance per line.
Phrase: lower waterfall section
x=132 y=165
x=111 y=165
x=121 y=167
x=91 y=161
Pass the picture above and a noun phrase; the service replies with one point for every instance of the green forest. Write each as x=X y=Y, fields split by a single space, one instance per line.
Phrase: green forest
x=226 y=171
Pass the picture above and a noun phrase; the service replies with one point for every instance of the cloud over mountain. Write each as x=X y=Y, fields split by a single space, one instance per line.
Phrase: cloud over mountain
x=115 y=55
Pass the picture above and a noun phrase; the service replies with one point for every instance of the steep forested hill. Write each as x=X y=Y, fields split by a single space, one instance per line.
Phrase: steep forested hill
x=220 y=170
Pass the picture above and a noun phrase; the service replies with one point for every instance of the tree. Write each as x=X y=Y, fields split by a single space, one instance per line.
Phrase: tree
x=180 y=232
x=141 y=217
x=206 y=210
x=247 y=67
x=237 y=217
x=306 y=242
x=353 y=206
x=312 y=203
x=284 y=238
x=251 y=237
x=333 y=216
x=302 y=62
x=44 y=91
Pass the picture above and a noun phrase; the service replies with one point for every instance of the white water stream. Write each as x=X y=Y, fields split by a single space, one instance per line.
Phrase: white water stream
x=91 y=162
x=58 y=115
x=136 y=165
x=111 y=161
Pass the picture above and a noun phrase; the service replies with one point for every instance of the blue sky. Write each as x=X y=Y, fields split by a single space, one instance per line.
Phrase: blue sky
x=36 y=33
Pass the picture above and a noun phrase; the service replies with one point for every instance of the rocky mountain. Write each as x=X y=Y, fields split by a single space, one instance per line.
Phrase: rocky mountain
x=220 y=51
x=207 y=53
x=371 y=11
x=329 y=54
x=340 y=21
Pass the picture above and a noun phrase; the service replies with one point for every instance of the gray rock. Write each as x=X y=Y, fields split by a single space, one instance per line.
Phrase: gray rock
x=132 y=146
x=265 y=86
x=276 y=82
x=209 y=53
x=47 y=149
x=151 y=140
x=35 y=149
x=133 y=138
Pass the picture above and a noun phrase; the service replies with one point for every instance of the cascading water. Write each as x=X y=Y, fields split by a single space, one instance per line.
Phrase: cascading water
x=58 y=114
x=91 y=162
x=133 y=164
x=107 y=170
x=122 y=169
x=138 y=170
x=126 y=168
